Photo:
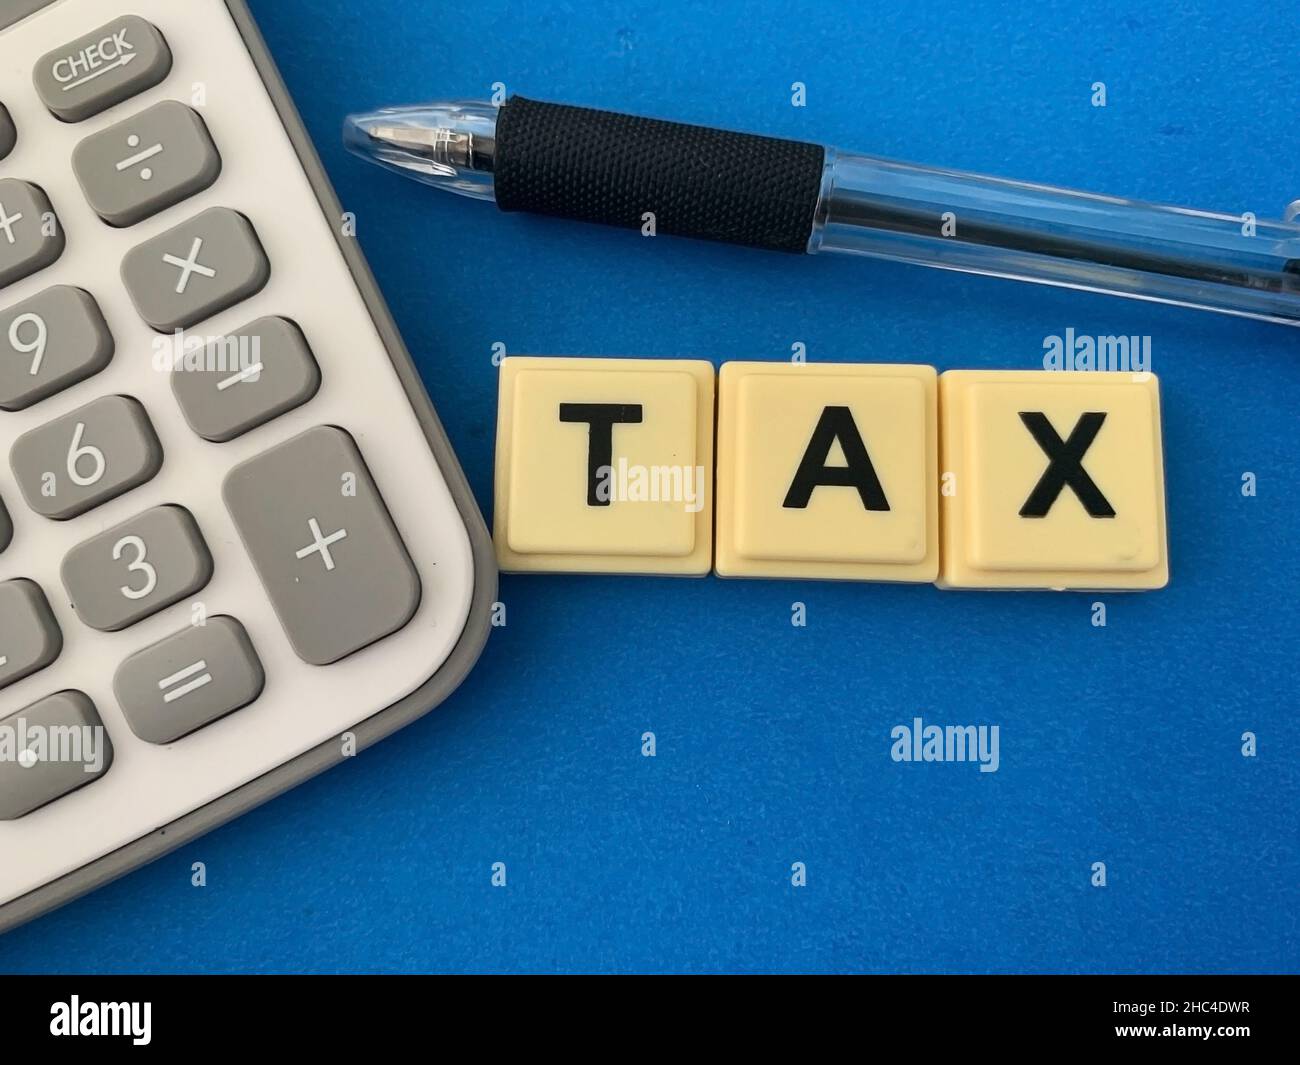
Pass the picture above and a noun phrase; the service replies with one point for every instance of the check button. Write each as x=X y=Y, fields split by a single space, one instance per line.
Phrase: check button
x=195 y=270
x=323 y=544
x=102 y=68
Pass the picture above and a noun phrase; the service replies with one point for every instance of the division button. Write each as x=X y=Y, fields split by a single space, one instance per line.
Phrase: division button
x=146 y=164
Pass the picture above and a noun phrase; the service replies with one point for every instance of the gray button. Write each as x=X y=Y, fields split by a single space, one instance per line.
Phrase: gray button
x=31 y=237
x=196 y=270
x=30 y=638
x=246 y=378
x=8 y=132
x=86 y=458
x=321 y=539
x=49 y=342
x=146 y=164
x=6 y=527
x=49 y=749
x=137 y=568
x=102 y=68
x=189 y=680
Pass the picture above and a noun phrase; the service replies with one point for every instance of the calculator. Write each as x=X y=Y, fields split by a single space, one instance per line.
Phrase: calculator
x=235 y=544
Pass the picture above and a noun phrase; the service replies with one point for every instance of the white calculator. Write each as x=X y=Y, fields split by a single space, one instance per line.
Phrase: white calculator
x=235 y=545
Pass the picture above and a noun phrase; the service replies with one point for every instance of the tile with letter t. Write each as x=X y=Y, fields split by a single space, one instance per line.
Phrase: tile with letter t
x=1052 y=480
x=828 y=471
x=605 y=466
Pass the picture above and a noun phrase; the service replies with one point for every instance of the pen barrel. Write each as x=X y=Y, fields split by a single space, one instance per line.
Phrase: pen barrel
x=978 y=224
x=656 y=176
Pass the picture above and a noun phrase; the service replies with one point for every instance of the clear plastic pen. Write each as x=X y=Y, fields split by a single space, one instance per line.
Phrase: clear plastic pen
x=785 y=195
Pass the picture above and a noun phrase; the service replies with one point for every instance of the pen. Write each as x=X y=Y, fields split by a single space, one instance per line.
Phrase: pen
x=783 y=195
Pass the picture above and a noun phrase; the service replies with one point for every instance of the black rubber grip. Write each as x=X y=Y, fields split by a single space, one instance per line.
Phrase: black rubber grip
x=599 y=166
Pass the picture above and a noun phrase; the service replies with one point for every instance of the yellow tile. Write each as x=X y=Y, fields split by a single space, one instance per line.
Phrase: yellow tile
x=828 y=471
x=1052 y=480
x=605 y=465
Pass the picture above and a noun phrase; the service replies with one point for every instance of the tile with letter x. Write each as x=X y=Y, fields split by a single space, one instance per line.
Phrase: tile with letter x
x=605 y=465
x=1052 y=480
x=828 y=471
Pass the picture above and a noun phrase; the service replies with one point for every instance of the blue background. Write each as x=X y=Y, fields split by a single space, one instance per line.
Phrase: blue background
x=1118 y=744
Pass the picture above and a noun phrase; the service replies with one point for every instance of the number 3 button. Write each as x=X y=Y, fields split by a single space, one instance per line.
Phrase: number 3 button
x=86 y=458
x=137 y=568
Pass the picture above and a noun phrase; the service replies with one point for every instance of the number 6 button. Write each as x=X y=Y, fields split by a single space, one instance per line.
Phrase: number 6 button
x=137 y=568
x=86 y=458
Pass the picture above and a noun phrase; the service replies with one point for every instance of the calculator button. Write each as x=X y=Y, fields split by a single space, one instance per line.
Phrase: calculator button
x=323 y=544
x=196 y=270
x=102 y=68
x=30 y=638
x=247 y=378
x=137 y=568
x=8 y=132
x=85 y=458
x=6 y=527
x=59 y=745
x=146 y=164
x=49 y=342
x=189 y=680
x=31 y=237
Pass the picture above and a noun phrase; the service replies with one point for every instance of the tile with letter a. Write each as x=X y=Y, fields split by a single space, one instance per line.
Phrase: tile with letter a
x=1052 y=480
x=828 y=471
x=605 y=465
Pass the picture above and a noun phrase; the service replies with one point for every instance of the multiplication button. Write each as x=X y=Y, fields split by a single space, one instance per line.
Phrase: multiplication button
x=323 y=543
x=146 y=164
x=195 y=270
x=102 y=68
x=50 y=342
x=189 y=680
x=31 y=237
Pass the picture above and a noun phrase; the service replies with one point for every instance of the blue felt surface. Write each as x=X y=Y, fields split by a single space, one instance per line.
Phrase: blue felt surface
x=1119 y=744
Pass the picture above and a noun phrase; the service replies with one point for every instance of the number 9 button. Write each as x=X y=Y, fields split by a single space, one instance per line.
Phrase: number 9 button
x=137 y=568
x=51 y=341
